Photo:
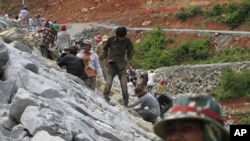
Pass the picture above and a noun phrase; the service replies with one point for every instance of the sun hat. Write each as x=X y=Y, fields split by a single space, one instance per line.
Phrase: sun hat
x=105 y=37
x=98 y=38
x=200 y=107
x=63 y=27
x=162 y=82
x=87 y=42
x=139 y=90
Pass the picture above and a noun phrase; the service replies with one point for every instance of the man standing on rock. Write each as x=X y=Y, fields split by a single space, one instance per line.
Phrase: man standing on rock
x=24 y=16
x=48 y=38
x=115 y=52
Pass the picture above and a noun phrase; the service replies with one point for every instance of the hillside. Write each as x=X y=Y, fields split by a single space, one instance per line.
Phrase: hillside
x=134 y=13
x=130 y=13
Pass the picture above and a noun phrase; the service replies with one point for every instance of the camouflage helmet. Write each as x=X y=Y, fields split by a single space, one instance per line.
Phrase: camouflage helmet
x=200 y=107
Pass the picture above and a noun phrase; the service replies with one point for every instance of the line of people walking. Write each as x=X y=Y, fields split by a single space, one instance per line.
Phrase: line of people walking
x=86 y=64
x=112 y=56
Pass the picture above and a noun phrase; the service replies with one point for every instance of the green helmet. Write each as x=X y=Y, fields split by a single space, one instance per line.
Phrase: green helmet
x=55 y=27
x=200 y=107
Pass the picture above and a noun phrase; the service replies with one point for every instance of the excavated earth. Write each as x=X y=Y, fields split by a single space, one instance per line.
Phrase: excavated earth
x=132 y=13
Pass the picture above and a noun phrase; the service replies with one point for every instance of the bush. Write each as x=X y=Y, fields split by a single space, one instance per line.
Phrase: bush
x=151 y=50
x=192 y=51
x=232 y=14
x=216 y=10
x=230 y=7
x=194 y=11
x=233 y=85
x=236 y=14
x=182 y=15
x=235 y=54
x=244 y=120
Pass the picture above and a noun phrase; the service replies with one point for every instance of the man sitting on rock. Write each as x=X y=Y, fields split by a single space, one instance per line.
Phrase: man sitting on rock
x=146 y=100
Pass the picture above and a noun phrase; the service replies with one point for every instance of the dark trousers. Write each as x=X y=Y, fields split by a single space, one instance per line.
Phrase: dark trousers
x=111 y=73
x=90 y=82
x=46 y=52
x=147 y=115
x=165 y=103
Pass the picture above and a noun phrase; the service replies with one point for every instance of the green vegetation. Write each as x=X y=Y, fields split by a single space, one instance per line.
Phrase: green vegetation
x=153 y=52
x=191 y=51
x=235 y=54
x=244 y=120
x=150 y=51
x=192 y=12
x=233 y=85
x=232 y=14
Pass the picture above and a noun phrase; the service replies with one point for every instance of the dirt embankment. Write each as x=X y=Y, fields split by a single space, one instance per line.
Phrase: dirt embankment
x=130 y=13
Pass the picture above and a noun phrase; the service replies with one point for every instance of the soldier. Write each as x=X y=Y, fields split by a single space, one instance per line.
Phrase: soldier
x=194 y=118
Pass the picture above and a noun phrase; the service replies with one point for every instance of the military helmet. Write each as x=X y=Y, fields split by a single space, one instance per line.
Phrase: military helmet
x=200 y=107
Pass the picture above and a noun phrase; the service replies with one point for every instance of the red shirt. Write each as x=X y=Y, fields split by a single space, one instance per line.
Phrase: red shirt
x=49 y=36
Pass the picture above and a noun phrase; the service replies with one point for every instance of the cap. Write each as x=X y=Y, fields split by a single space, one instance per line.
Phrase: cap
x=87 y=42
x=25 y=7
x=63 y=27
x=162 y=82
x=104 y=37
x=139 y=90
x=98 y=38
x=200 y=107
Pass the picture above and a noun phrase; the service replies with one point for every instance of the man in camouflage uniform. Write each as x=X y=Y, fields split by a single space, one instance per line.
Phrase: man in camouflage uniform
x=115 y=52
x=194 y=118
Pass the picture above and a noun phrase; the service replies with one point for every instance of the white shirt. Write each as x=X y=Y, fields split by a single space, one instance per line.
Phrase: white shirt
x=93 y=62
x=6 y=16
x=63 y=40
x=24 y=15
x=151 y=79
x=31 y=23
x=130 y=88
